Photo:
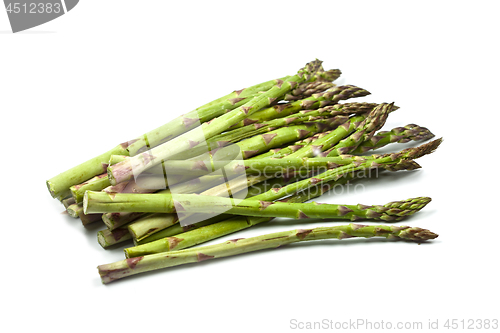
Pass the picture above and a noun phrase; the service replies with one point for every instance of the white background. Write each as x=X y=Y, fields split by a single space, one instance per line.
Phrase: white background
x=111 y=70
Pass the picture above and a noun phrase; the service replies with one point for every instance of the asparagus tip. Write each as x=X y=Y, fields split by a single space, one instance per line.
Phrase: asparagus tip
x=417 y=234
x=424 y=149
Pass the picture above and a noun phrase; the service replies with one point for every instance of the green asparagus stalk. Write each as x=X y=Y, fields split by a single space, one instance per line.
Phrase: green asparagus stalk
x=135 y=165
x=94 y=184
x=287 y=150
x=73 y=209
x=280 y=166
x=177 y=229
x=108 y=238
x=261 y=143
x=77 y=211
x=192 y=203
x=345 y=109
x=114 y=271
x=405 y=134
x=115 y=220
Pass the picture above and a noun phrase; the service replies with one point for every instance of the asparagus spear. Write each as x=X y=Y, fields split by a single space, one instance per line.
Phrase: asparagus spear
x=287 y=150
x=131 y=266
x=283 y=165
x=135 y=165
x=330 y=97
x=192 y=203
x=405 y=134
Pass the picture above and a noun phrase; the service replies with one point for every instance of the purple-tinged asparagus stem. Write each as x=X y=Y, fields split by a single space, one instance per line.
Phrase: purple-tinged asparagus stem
x=76 y=211
x=114 y=271
x=68 y=202
x=108 y=238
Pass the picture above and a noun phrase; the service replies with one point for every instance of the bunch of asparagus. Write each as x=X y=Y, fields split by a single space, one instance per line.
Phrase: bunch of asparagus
x=244 y=159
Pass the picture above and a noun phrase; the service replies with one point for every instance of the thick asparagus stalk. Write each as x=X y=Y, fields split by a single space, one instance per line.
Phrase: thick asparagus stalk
x=131 y=266
x=73 y=209
x=94 y=184
x=115 y=220
x=107 y=238
x=135 y=165
x=394 y=211
x=192 y=203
